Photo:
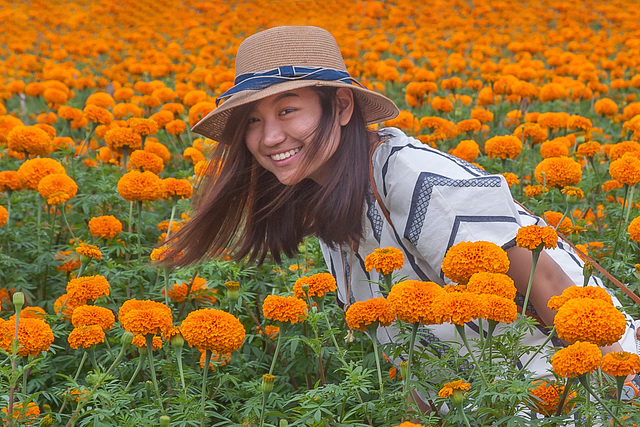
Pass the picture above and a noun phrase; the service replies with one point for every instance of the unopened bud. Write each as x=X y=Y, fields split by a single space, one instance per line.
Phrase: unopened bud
x=142 y=351
x=283 y=423
x=18 y=300
x=164 y=421
x=177 y=341
x=233 y=290
x=267 y=383
x=457 y=397
x=587 y=271
x=127 y=338
x=148 y=386
x=46 y=421
x=403 y=369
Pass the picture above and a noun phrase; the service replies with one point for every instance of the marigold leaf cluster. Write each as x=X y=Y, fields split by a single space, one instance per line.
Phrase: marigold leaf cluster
x=467 y=258
x=284 y=309
x=214 y=330
x=372 y=312
x=145 y=317
x=318 y=284
x=384 y=260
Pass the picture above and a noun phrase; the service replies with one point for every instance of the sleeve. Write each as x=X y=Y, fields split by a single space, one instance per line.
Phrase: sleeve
x=436 y=201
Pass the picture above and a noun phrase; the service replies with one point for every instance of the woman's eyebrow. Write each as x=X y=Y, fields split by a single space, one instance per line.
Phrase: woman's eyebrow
x=282 y=96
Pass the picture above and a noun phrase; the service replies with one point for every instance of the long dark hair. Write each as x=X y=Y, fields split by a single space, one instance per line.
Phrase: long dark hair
x=242 y=210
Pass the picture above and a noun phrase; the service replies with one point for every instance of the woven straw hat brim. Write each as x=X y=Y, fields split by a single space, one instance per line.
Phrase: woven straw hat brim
x=375 y=108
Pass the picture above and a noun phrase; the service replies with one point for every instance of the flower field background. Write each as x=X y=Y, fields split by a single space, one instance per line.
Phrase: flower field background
x=98 y=167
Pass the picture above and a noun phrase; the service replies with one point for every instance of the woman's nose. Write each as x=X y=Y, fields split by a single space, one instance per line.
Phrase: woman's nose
x=273 y=134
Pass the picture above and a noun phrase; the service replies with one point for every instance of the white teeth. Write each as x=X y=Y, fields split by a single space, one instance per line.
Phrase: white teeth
x=285 y=155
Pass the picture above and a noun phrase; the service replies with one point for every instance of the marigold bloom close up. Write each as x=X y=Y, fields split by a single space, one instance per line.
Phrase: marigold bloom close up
x=467 y=258
x=374 y=311
x=595 y=292
x=620 y=363
x=29 y=139
x=626 y=169
x=86 y=336
x=503 y=147
x=318 y=284
x=284 y=309
x=89 y=251
x=546 y=397
x=557 y=172
x=34 y=336
x=86 y=288
x=589 y=319
x=577 y=359
x=145 y=317
x=413 y=301
x=140 y=186
x=106 y=226
x=199 y=290
x=535 y=238
x=85 y=315
x=176 y=189
x=33 y=170
x=384 y=260
x=492 y=283
x=214 y=330
x=448 y=388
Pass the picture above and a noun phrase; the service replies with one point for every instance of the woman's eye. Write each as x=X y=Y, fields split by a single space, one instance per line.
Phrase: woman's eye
x=286 y=111
x=253 y=120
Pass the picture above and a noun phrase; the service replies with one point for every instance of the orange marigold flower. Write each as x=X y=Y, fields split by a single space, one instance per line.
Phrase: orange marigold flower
x=318 y=284
x=626 y=169
x=504 y=147
x=199 y=110
x=29 y=139
x=558 y=172
x=534 y=190
x=553 y=148
x=553 y=219
x=466 y=150
x=468 y=125
x=573 y=192
x=534 y=237
x=546 y=397
x=151 y=145
x=141 y=342
x=86 y=336
x=32 y=171
x=162 y=117
x=578 y=359
x=4 y=216
x=448 y=388
x=176 y=127
x=482 y=115
x=119 y=137
x=90 y=251
x=199 y=291
x=61 y=304
x=406 y=423
x=620 y=363
x=97 y=114
x=100 y=99
x=217 y=359
x=34 y=336
x=595 y=292
x=146 y=161
x=372 y=312
x=140 y=186
x=57 y=188
x=106 y=226
x=413 y=301
x=459 y=308
x=93 y=315
x=553 y=120
x=32 y=411
x=579 y=122
x=605 y=107
x=492 y=283
x=142 y=126
x=634 y=229
x=145 y=317
x=9 y=181
x=284 y=309
x=213 y=330
x=193 y=154
x=589 y=319
x=466 y=258
x=272 y=331
x=498 y=309
x=384 y=260
x=620 y=149
x=511 y=178
x=176 y=189
x=82 y=289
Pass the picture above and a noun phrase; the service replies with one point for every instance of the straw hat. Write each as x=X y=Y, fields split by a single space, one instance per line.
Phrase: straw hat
x=287 y=58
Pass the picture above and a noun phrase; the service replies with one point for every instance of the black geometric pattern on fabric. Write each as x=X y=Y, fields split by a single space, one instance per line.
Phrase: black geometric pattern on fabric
x=374 y=215
x=468 y=167
x=422 y=196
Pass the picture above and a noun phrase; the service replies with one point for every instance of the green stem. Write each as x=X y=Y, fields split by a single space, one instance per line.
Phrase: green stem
x=487 y=341
x=619 y=386
x=414 y=333
x=207 y=360
x=138 y=229
x=275 y=353
x=173 y=213
x=38 y=219
x=135 y=373
x=535 y=255
x=539 y=349
x=263 y=409
x=374 y=340
x=621 y=222
x=584 y=380
x=563 y=398
x=149 y=339
x=463 y=335
x=464 y=416
x=180 y=369
x=66 y=221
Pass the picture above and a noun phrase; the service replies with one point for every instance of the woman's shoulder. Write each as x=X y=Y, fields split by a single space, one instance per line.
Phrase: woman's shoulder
x=398 y=150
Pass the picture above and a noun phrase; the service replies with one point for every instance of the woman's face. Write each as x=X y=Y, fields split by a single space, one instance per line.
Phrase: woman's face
x=280 y=130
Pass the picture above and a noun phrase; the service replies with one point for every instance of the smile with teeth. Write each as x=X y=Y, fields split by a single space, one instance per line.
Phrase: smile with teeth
x=285 y=155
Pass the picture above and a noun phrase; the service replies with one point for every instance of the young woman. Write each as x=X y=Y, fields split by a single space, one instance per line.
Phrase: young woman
x=295 y=158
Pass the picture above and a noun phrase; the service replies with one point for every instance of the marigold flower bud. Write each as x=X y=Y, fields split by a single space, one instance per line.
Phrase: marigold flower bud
x=177 y=341
x=164 y=421
x=18 y=300
x=233 y=290
x=127 y=338
x=267 y=383
x=457 y=397
x=403 y=369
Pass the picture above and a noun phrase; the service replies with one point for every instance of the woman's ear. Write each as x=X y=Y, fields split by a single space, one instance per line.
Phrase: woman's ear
x=344 y=101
